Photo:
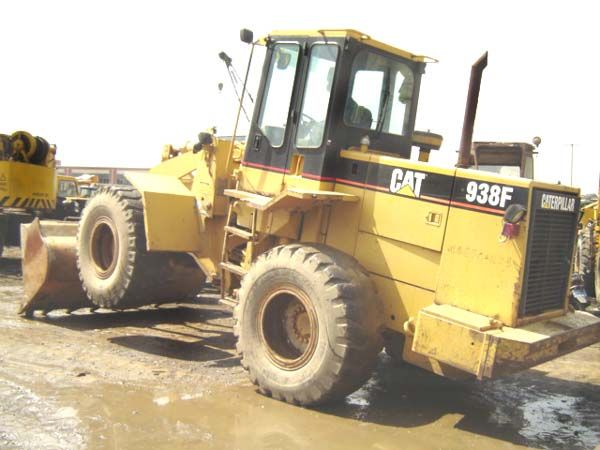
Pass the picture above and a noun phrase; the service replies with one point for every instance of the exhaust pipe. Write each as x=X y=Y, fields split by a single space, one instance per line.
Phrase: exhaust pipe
x=464 y=153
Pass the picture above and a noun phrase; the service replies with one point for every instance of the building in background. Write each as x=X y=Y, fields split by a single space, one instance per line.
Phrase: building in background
x=106 y=175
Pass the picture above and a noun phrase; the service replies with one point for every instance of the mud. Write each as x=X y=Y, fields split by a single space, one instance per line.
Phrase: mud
x=169 y=378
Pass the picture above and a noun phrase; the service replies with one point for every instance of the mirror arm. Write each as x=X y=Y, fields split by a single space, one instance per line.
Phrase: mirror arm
x=237 y=118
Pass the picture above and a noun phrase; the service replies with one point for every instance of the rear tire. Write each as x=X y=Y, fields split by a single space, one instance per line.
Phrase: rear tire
x=115 y=269
x=308 y=324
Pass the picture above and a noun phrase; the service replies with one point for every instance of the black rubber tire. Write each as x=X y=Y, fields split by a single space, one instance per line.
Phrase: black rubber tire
x=347 y=311
x=138 y=277
x=41 y=151
x=3 y=232
x=597 y=275
x=586 y=259
x=5 y=147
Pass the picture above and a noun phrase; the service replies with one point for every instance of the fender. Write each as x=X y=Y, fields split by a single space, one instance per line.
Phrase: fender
x=171 y=215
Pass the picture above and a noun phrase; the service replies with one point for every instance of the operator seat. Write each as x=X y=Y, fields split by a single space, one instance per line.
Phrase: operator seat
x=358 y=115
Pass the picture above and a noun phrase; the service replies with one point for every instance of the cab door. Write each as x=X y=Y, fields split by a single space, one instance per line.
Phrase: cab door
x=266 y=157
x=310 y=144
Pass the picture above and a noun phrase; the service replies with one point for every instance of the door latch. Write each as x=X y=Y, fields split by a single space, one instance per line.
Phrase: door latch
x=256 y=143
x=433 y=218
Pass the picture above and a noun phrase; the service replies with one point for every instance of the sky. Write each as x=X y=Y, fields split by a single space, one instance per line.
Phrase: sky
x=110 y=82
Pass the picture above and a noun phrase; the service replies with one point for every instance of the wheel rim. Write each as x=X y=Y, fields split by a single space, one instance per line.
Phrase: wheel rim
x=104 y=247
x=288 y=327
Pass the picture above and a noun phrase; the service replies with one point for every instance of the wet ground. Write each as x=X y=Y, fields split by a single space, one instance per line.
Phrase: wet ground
x=169 y=378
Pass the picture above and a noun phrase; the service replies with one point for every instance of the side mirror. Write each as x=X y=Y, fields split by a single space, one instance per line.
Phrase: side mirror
x=246 y=36
x=204 y=138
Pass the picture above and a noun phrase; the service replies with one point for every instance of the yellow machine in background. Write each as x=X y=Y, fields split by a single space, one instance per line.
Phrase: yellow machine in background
x=72 y=195
x=327 y=240
x=588 y=247
x=27 y=182
x=505 y=158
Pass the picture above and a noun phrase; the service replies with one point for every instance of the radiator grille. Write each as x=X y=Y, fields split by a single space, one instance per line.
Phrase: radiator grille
x=552 y=231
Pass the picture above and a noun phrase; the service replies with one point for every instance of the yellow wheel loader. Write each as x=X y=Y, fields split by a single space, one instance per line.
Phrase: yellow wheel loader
x=27 y=182
x=72 y=195
x=588 y=247
x=326 y=239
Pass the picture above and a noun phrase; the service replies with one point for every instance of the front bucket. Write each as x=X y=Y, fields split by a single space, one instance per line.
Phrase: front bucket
x=50 y=278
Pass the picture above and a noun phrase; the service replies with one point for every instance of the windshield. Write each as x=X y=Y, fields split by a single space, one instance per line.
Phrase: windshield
x=380 y=93
x=86 y=191
x=317 y=91
x=278 y=92
x=67 y=189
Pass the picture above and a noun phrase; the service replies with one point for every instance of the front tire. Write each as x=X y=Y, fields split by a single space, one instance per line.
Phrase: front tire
x=308 y=324
x=115 y=269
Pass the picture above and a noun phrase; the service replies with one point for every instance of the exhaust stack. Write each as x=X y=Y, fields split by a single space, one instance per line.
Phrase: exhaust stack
x=464 y=153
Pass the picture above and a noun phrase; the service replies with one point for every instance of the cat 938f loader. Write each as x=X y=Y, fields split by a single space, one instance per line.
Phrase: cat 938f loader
x=327 y=240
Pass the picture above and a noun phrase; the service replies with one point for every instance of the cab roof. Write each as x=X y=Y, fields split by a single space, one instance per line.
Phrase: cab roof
x=352 y=34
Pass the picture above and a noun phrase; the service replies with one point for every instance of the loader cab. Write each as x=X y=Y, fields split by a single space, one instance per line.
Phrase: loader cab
x=322 y=92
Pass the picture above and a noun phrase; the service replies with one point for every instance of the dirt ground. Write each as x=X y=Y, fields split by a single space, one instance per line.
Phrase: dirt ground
x=169 y=378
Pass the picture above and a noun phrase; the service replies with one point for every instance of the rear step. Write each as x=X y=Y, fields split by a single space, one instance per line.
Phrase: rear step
x=239 y=232
x=231 y=271
x=234 y=268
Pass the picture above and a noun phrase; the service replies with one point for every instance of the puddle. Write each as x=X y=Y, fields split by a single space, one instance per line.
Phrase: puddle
x=30 y=421
x=169 y=379
x=547 y=418
x=416 y=413
x=557 y=422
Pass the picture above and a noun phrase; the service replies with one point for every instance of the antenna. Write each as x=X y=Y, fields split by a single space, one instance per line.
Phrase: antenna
x=247 y=37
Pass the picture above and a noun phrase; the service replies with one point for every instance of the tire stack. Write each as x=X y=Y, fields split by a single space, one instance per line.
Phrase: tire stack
x=587 y=266
x=21 y=146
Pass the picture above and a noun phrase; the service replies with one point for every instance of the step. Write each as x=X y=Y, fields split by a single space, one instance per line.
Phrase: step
x=254 y=200
x=228 y=301
x=230 y=267
x=239 y=232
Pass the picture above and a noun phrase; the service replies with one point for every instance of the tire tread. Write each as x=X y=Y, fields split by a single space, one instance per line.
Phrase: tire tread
x=358 y=339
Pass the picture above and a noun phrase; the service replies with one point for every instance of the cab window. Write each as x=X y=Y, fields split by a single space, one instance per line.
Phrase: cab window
x=380 y=93
x=67 y=188
x=315 y=103
x=278 y=92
